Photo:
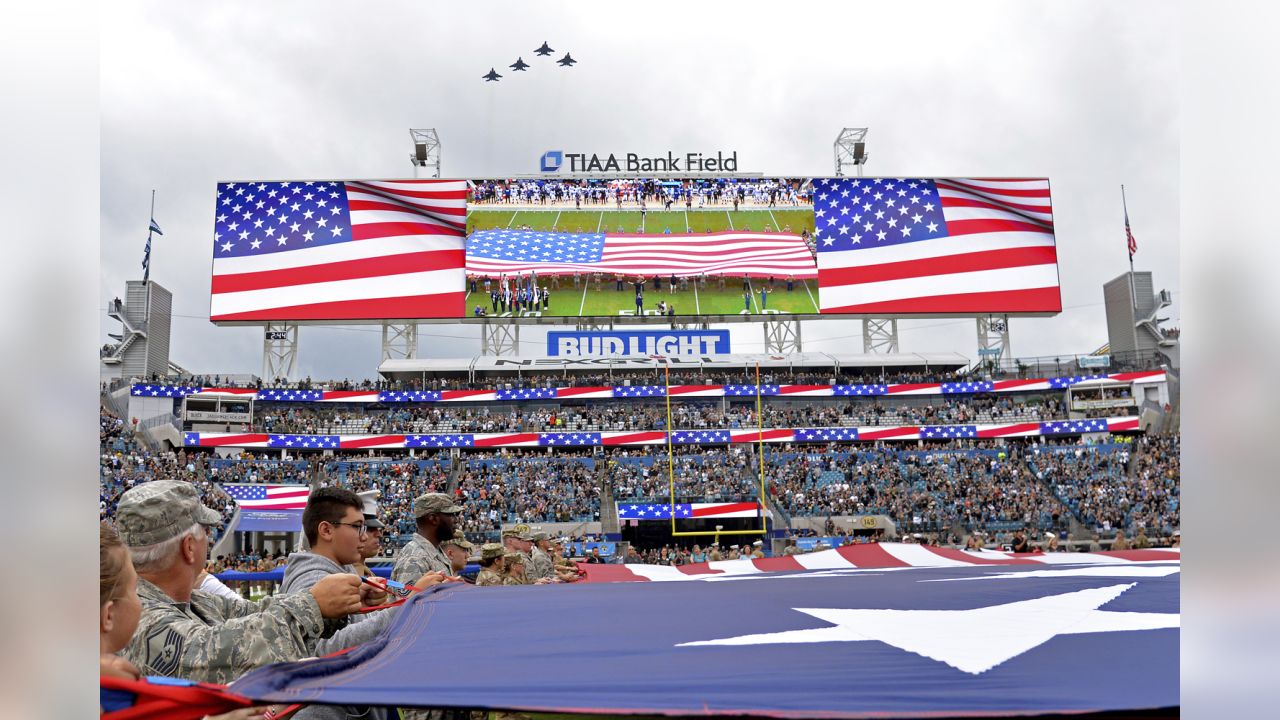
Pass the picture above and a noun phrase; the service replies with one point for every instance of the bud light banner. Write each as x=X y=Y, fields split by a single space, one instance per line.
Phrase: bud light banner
x=669 y=343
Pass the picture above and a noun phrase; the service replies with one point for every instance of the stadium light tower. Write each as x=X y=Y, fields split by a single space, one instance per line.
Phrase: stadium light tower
x=879 y=335
x=851 y=150
x=426 y=153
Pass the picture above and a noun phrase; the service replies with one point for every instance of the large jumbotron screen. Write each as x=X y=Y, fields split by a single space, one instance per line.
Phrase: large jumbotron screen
x=556 y=250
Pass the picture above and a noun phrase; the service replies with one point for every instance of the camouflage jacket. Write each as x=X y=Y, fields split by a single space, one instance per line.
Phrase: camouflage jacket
x=488 y=577
x=418 y=558
x=540 y=565
x=216 y=639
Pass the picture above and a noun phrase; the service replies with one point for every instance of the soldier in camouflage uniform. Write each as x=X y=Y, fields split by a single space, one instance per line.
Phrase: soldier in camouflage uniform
x=515 y=567
x=436 y=514
x=195 y=635
x=519 y=539
x=490 y=564
x=457 y=549
x=540 y=565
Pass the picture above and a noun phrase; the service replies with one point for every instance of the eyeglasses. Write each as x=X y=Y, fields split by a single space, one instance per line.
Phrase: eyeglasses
x=359 y=527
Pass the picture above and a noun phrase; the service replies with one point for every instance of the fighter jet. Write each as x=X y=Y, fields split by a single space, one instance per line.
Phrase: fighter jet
x=519 y=65
x=566 y=60
x=491 y=76
x=544 y=50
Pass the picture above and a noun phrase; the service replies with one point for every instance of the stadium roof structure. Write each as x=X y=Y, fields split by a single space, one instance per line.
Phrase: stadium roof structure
x=409 y=368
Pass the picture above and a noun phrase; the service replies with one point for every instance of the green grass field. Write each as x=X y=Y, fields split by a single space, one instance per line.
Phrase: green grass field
x=710 y=300
x=654 y=221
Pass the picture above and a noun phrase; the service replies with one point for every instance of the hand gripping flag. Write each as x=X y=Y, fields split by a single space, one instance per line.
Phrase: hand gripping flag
x=988 y=638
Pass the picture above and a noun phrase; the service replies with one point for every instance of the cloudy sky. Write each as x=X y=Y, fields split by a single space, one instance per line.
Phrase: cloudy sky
x=1084 y=93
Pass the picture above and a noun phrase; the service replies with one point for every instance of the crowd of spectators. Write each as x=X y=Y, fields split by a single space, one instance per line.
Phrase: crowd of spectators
x=526 y=487
x=701 y=475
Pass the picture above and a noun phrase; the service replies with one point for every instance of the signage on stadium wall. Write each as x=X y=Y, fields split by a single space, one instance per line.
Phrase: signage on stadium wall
x=1101 y=404
x=1094 y=361
x=209 y=416
x=666 y=343
x=554 y=161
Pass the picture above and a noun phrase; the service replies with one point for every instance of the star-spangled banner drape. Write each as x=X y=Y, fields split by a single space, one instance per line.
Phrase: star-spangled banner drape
x=736 y=253
x=998 y=637
x=659 y=437
x=646 y=391
x=340 y=250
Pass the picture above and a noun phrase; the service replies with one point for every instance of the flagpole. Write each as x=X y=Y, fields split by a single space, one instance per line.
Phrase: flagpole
x=146 y=256
x=1133 y=292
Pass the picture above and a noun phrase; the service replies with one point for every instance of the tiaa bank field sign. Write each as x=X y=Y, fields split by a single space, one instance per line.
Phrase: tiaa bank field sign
x=669 y=343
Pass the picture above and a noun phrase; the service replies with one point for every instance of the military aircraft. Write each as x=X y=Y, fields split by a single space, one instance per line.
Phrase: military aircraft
x=519 y=65
x=491 y=76
x=566 y=60
x=544 y=50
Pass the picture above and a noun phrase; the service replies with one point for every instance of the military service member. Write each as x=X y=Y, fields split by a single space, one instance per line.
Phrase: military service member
x=514 y=570
x=540 y=565
x=457 y=549
x=491 y=559
x=436 y=514
x=194 y=635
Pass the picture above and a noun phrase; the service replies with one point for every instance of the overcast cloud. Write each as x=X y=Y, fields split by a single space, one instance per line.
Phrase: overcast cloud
x=1081 y=92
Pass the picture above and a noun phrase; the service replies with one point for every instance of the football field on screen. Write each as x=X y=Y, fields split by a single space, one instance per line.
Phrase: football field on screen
x=603 y=299
x=789 y=219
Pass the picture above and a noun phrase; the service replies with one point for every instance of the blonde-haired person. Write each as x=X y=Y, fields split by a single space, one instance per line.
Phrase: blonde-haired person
x=119 y=610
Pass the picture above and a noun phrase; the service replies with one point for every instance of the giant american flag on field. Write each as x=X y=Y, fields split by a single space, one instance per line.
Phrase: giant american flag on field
x=339 y=250
x=493 y=252
x=895 y=245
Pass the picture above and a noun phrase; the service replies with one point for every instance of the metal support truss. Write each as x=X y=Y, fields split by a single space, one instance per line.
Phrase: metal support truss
x=279 y=351
x=399 y=341
x=782 y=336
x=594 y=325
x=851 y=151
x=993 y=340
x=879 y=336
x=499 y=339
x=426 y=152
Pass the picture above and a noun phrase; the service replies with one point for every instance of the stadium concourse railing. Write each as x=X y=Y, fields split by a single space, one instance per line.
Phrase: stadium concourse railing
x=1049 y=366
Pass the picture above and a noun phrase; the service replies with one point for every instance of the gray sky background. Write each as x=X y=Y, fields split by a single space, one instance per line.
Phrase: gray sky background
x=1084 y=93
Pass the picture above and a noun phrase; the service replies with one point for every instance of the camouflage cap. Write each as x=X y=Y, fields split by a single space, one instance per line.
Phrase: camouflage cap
x=540 y=535
x=161 y=510
x=435 y=503
x=514 y=557
x=519 y=532
x=489 y=551
x=459 y=541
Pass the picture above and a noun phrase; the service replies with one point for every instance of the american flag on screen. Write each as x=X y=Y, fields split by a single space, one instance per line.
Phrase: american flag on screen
x=268 y=497
x=493 y=252
x=894 y=245
x=339 y=250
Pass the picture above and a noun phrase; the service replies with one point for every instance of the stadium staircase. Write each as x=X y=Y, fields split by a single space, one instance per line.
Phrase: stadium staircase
x=455 y=475
x=609 y=523
x=776 y=516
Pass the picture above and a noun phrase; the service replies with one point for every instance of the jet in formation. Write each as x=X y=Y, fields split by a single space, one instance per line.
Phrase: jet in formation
x=519 y=65
x=566 y=60
x=491 y=76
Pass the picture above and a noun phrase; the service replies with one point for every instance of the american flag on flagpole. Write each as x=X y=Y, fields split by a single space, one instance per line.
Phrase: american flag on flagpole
x=493 y=252
x=893 y=245
x=250 y=496
x=1133 y=244
x=339 y=250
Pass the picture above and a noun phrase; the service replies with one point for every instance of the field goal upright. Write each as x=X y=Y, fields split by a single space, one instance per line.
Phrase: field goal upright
x=762 y=509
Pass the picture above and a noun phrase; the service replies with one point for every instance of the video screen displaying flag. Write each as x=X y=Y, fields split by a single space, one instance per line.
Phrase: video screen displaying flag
x=539 y=249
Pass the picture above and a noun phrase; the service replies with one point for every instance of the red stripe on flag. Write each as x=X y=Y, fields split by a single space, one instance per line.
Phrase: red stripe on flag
x=869 y=555
x=230 y=391
x=685 y=389
x=943 y=265
x=789 y=389
x=992 y=225
x=1142 y=555
x=908 y=387
x=725 y=508
x=571 y=391
x=1009 y=430
x=698 y=569
x=633 y=438
x=608 y=572
x=1045 y=300
x=995 y=191
x=887 y=433
x=775 y=564
x=372 y=441
x=1010 y=384
x=757 y=436
x=346 y=270
x=233 y=440
x=1131 y=424
x=1005 y=205
x=1131 y=376
x=337 y=394
x=371 y=231
x=442 y=305
x=506 y=440
x=420 y=194
x=459 y=394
